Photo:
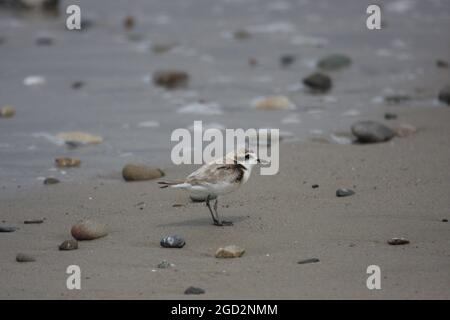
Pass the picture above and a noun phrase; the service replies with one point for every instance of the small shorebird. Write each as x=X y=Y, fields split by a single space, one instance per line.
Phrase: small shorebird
x=217 y=178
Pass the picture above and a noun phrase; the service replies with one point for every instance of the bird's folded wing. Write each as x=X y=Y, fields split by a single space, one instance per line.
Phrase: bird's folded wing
x=216 y=173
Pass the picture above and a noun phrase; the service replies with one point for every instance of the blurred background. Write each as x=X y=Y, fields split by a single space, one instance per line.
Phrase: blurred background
x=140 y=69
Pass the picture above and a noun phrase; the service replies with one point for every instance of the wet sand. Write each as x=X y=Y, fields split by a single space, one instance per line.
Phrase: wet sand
x=401 y=191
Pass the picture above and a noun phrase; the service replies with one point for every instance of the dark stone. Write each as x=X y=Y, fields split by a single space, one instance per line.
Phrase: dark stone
x=164 y=264
x=68 y=245
x=444 y=220
x=44 y=41
x=334 y=62
x=318 y=82
x=398 y=241
x=441 y=63
x=343 y=192
x=194 y=290
x=37 y=221
x=23 y=257
x=314 y=186
x=371 y=132
x=51 y=181
x=174 y=241
x=390 y=116
x=444 y=95
x=7 y=229
x=287 y=60
x=77 y=84
x=396 y=99
x=171 y=79
x=311 y=260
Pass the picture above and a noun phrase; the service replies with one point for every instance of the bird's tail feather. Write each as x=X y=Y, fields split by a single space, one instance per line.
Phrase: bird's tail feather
x=165 y=184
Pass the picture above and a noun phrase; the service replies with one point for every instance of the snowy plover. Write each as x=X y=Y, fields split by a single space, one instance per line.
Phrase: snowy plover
x=218 y=177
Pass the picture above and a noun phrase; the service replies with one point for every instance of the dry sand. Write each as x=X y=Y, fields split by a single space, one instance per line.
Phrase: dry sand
x=401 y=191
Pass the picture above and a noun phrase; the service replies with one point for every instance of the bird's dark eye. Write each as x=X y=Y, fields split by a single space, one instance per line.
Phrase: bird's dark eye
x=247 y=156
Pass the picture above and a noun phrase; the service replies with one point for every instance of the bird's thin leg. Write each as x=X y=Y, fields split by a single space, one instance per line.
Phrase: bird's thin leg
x=222 y=222
x=216 y=222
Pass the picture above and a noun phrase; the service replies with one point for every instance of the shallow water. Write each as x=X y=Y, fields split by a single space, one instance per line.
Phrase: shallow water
x=120 y=103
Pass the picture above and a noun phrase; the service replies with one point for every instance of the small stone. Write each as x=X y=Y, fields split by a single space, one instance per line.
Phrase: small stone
x=343 y=192
x=314 y=186
x=81 y=138
x=273 y=103
x=131 y=172
x=34 y=81
x=159 y=48
x=68 y=245
x=128 y=23
x=44 y=41
x=174 y=241
x=67 y=162
x=7 y=112
x=23 y=257
x=51 y=180
x=253 y=62
x=318 y=82
x=171 y=79
x=36 y=221
x=444 y=95
x=77 y=84
x=397 y=98
x=334 y=62
x=311 y=260
x=88 y=230
x=371 y=132
x=398 y=241
x=287 y=60
x=194 y=290
x=404 y=130
x=242 y=34
x=441 y=63
x=7 y=229
x=232 y=251
x=390 y=116
x=164 y=264
x=444 y=220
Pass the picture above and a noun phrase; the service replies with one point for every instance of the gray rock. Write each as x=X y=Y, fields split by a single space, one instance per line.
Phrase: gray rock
x=311 y=260
x=334 y=62
x=51 y=181
x=88 y=230
x=68 y=245
x=7 y=229
x=132 y=172
x=343 y=192
x=390 y=116
x=171 y=79
x=164 y=264
x=397 y=98
x=194 y=290
x=444 y=95
x=441 y=63
x=287 y=60
x=371 y=132
x=398 y=241
x=174 y=241
x=318 y=82
x=23 y=257
x=232 y=251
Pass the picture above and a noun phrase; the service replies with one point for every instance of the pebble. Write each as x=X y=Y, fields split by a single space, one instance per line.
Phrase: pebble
x=242 y=34
x=159 y=48
x=174 y=241
x=390 y=116
x=441 y=63
x=343 y=192
x=398 y=241
x=164 y=264
x=44 y=41
x=34 y=81
x=7 y=112
x=23 y=257
x=36 y=221
x=287 y=60
x=318 y=82
x=51 y=181
x=77 y=84
x=404 y=130
x=311 y=260
x=88 y=230
x=67 y=162
x=397 y=98
x=194 y=290
x=171 y=79
x=131 y=172
x=7 y=229
x=79 y=138
x=68 y=245
x=314 y=186
x=444 y=95
x=273 y=103
x=128 y=23
x=371 y=132
x=444 y=220
x=334 y=62
x=231 y=251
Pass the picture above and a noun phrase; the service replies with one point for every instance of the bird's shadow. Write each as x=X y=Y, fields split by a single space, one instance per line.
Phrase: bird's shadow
x=202 y=222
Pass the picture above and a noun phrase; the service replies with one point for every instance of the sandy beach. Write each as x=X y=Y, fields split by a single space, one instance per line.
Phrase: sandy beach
x=401 y=191
x=234 y=54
